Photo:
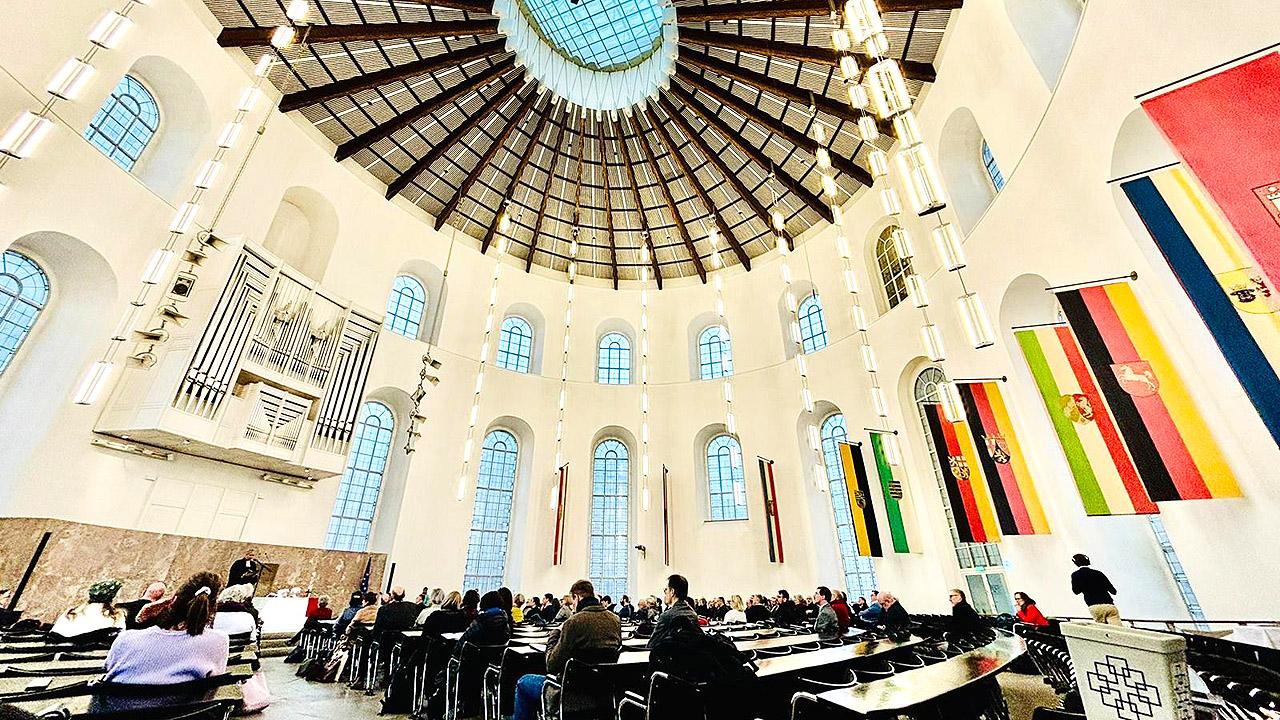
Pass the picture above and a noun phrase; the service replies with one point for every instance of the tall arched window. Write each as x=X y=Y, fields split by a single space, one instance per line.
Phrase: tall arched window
x=614 y=366
x=491 y=518
x=125 y=123
x=610 y=518
x=859 y=571
x=993 y=170
x=813 y=326
x=893 y=269
x=725 y=481
x=405 y=305
x=357 y=501
x=715 y=355
x=515 y=344
x=24 y=290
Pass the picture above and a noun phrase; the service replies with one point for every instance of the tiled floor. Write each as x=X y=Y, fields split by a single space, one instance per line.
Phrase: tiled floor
x=297 y=699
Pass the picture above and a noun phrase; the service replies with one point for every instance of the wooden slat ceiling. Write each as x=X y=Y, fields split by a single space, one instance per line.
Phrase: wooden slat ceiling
x=424 y=95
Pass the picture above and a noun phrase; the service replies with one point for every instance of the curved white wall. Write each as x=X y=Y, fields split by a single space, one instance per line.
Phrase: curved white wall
x=1056 y=218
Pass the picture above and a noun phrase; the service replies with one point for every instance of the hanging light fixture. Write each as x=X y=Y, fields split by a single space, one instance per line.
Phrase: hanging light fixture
x=950 y=251
x=977 y=324
x=949 y=397
x=70 y=79
x=110 y=30
x=24 y=134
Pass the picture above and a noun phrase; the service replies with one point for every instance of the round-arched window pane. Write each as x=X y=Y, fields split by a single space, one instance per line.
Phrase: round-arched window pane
x=893 y=269
x=126 y=123
x=610 y=518
x=726 y=484
x=813 y=326
x=491 y=516
x=993 y=170
x=24 y=291
x=614 y=364
x=715 y=355
x=405 y=305
x=515 y=345
x=859 y=571
x=357 y=501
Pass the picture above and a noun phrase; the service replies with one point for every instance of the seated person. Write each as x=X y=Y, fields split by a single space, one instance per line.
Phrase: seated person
x=737 y=612
x=840 y=604
x=434 y=600
x=895 y=616
x=94 y=615
x=678 y=613
x=321 y=611
x=566 y=609
x=490 y=626
x=449 y=618
x=365 y=616
x=826 y=623
x=517 y=608
x=354 y=603
x=1028 y=612
x=964 y=619
x=181 y=647
x=592 y=634
x=154 y=592
x=395 y=616
x=231 y=617
x=757 y=609
x=871 y=616
x=550 y=608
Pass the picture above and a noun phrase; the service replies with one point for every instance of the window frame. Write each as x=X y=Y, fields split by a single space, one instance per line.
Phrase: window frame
x=607 y=584
x=719 y=367
x=93 y=130
x=994 y=174
x=10 y=301
x=409 y=327
x=737 y=480
x=343 y=500
x=523 y=351
x=608 y=374
x=808 y=337
x=499 y=526
x=893 y=270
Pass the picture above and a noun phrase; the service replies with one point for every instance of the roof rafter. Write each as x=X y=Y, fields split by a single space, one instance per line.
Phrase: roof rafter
x=703 y=195
x=546 y=191
x=608 y=205
x=795 y=8
x=383 y=130
x=670 y=201
x=252 y=36
x=352 y=85
x=635 y=195
x=519 y=171
x=911 y=69
x=795 y=94
x=455 y=136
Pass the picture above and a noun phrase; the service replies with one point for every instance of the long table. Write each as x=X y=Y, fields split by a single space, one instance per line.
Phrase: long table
x=799 y=662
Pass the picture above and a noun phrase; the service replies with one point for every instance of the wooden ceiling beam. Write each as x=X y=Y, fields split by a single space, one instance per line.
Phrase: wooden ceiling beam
x=546 y=191
x=500 y=142
x=911 y=69
x=353 y=85
x=475 y=6
x=635 y=195
x=791 y=184
x=455 y=136
x=794 y=8
x=255 y=36
x=714 y=158
x=608 y=204
x=670 y=202
x=683 y=166
x=777 y=127
x=383 y=130
x=794 y=93
x=519 y=172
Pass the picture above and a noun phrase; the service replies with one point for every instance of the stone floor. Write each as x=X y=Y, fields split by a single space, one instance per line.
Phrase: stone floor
x=297 y=699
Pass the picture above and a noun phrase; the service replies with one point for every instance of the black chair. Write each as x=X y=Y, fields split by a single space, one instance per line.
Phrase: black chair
x=765 y=653
x=817 y=685
x=500 y=682
x=464 y=678
x=802 y=700
x=669 y=699
x=805 y=647
x=585 y=691
x=873 y=670
x=906 y=663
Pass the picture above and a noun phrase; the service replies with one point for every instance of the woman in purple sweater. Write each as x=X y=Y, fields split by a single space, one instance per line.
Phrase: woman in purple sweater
x=180 y=647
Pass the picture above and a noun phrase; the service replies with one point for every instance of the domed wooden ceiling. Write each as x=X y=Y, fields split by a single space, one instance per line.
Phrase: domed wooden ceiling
x=425 y=96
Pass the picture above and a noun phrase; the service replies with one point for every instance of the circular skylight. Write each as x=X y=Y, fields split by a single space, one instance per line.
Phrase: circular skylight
x=601 y=35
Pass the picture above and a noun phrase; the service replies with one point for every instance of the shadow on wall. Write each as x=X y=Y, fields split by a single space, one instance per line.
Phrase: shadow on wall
x=183 y=131
x=1047 y=29
x=304 y=231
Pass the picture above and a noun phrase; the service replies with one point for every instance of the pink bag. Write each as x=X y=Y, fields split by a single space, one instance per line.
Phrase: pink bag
x=256 y=695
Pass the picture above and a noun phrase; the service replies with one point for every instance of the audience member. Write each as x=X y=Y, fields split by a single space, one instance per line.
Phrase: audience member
x=508 y=605
x=354 y=604
x=97 y=613
x=565 y=609
x=895 y=616
x=701 y=608
x=964 y=619
x=231 y=617
x=550 y=608
x=607 y=602
x=858 y=605
x=154 y=592
x=625 y=609
x=785 y=611
x=1027 y=611
x=807 y=610
x=737 y=611
x=840 y=605
x=826 y=624
x=517 y=608
x=471 y=603
x=180 y=648
x=591 y=634
x=433 y=603
x=321 y=611
x=366 y=616
x=1096 y=589
x=490 y=626
x=874 y=612
x=450 y=618
x=678 y=609
x=396 y=615
x=757 y=609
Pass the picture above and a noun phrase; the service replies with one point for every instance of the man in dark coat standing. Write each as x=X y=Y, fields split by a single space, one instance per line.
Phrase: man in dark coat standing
x=245 y=571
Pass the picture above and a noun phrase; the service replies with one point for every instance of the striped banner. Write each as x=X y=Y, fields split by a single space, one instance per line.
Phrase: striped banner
x=562 y=489
x=1231 y=295
x=899 y=510
x=666 y=521
x=958 y=461
x=866 y=531
x=1003 y=465
x=772 y=522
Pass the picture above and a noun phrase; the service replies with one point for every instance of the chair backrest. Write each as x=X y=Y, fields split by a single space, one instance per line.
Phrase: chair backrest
x=585 y=685
x=1046 y=713
x=671 y=698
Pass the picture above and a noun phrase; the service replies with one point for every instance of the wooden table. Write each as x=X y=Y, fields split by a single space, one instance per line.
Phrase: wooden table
x=80 y=705
x=18 y=684
x=895 y=694
x=828 y=656
x=99 y=664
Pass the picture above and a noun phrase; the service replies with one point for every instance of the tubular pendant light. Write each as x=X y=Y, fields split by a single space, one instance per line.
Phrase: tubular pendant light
x=952 y=408
x=931 y=337
x=869 y=359
x=902 y=244
x=849 y=68
x=867 y=128
x=229 y=135
x=283 y=36
x=815 y=440
x=924 y=185
x=879 y=162
x=890 y=201
x=249 y=99
x=892 y=448
x=907 y=129
x=70 y=79
x=158 y=267
x=977 y=324
x=858 y=97
x=947 y=242
x=823 y=157
x=208 y=174
x=859 y=317
x=26 y=132
x=93 y=382
x=916 y=289
x=110 y=30
x=184 y=218
x=887 y=89
x=863 y=19
x=878 y=402
x=298 y=10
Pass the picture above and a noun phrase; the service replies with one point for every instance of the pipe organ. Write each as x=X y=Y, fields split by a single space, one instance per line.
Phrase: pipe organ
x=273 y=380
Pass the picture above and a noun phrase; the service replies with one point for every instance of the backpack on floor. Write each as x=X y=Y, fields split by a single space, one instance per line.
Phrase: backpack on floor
x=694 y=656
x=296 y=655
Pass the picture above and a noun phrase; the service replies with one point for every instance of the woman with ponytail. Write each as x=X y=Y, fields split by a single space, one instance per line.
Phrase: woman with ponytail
x=181 y=647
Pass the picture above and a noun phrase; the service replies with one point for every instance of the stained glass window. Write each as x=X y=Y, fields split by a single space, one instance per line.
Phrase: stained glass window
x=357 y=501
x=715 y=354
x=610 y=518
x=614 y=366
x=725 y=480
x=859 y=571
x=125 y=123
x=813 y=327
x=515 y=345
x=24 y=290
x=491 y=518
x=405 y=305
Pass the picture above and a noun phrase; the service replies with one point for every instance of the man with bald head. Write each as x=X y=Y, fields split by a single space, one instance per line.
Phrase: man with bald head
x=397 y=615
x=154 y=592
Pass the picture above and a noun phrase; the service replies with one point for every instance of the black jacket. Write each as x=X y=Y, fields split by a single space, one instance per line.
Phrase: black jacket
x=396 y=615
x=680 y=613
x=895 y=616
x=445 y=621
x=1095 y=586
x=244 y=571
x=757 y=613
x=489 y=628
x=964 y=618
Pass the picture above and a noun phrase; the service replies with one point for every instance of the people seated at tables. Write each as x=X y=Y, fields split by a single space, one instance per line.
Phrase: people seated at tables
x=964 y=619
x=395 y=616
x=757 y=609
x=678 y=611
x=857 y=606
x=471 y=603
x=565 y=609
x=737 y=611
x=826 y=624
x=95 y=614
x=591 y=634
x=625 y=608
x=366 y=616
x=231 y=617
x=550 y=608
x=874 y=612
x=517 y=608
x=807 y=610
x=895 y=616
x=508 y=605
x=181 y=647
x=490 y=626
x=354 y=603
x=1027 y=611
x=719 y=608
x=433 y=602
x=784 y=609
x=154 y=592
x=840 y=604
x=449 y=618
x=608 y=603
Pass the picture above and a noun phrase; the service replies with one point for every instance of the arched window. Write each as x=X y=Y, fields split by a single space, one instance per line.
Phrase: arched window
x=24 y=290
x=405 y=305
x=893 y=269
x=491 y=518
x=614 y=366
x=859 y=571
x=725 y=481
x=357 y=501
x=993 y=170
x=515 y=344
x=715 y=355
x=813 y=327
x=610 y=518
x=125 y=123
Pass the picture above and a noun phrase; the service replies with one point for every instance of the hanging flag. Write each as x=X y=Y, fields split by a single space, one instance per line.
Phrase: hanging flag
x=961 y=474
x=772 y=522
x=899 y=511
x=666 y=521
x=1238 y=163
x=1235 y=301
x=562 y=489
x=1004 y=467
x=1105 y=476
x=368 y=570
x=866 y=531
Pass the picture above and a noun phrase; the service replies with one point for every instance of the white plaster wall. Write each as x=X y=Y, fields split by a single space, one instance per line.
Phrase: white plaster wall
x=1056 y=217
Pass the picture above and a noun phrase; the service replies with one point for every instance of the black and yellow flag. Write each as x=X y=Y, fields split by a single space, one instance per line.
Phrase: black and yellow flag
x=866 y=532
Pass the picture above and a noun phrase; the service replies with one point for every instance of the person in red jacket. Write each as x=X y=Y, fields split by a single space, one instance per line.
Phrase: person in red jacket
x=840 y=604
x=1027 y=611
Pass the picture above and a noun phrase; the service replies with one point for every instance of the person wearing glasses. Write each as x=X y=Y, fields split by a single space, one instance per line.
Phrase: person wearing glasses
x=678 y=611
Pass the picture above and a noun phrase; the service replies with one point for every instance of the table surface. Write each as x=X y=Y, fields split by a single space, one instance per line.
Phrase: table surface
x=79 y=705
x=930 y=682
x=99 y=664
x=19 y=684
x=640 y=657
x=827 y=656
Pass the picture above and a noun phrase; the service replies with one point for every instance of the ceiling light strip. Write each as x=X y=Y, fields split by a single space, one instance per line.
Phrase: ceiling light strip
x=504 y=245
x=730 y=421
x=572 y=269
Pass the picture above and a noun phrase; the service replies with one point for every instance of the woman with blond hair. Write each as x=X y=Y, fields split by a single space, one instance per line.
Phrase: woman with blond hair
x=737 y=610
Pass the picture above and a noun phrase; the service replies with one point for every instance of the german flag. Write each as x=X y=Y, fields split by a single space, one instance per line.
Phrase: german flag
x=1017 y=504
x=958 y=461
x=866 y=531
